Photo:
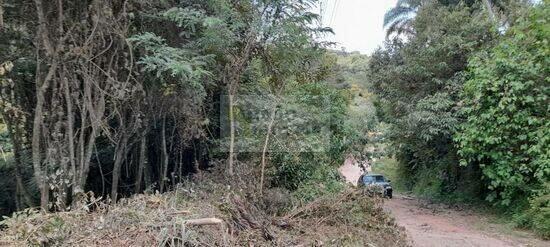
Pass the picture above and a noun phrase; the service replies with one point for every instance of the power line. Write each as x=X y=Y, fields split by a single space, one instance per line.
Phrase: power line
x=327 y=17
x=334 y=10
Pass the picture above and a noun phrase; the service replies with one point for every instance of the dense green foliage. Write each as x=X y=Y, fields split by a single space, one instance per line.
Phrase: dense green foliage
x=418 y=83
x=121 y=97
x=399 y=19
x=507 y=131
x=314 y=147
x=507 y=127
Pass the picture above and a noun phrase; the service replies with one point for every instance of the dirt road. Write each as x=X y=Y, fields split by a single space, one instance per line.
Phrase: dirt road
x=439 y=225
x=430 y=225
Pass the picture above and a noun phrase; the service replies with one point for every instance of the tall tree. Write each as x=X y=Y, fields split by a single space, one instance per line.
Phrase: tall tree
x=418 y=82
x=79 y=71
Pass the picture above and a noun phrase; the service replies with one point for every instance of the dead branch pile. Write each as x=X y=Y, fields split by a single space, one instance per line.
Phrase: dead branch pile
x=208 y=214
x=351 y=218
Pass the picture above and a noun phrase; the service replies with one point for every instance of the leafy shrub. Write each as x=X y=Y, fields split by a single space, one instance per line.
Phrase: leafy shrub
x=390 y=168
x=539 y=212
x=306 y=174
x=537 y=216
x=507 y=129
x=328 y=183
x=315 y=142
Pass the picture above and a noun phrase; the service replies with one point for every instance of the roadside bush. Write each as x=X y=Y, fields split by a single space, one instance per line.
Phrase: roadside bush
x=428 y=183
x=390 y=168
x=539 y=213
x=316 y=188
x=537 y=216
x=507 y=128
x=306 y=175
x=316 y=141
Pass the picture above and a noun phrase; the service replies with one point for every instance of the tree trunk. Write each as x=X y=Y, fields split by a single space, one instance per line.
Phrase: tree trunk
x=231 y=79
x=36 y=152
x=1 y=14
x=180 y=165
x=77 y=181
x=266 y=142
x=197 y=168
x=41 y=87
x=23 y=194
x=147 y=177
x=70 y=128
x=232 y=132
x=96 y=113
x=18 y=206
x=41 y=176
x=120 y=157
x=142 y=162
x=164 y=157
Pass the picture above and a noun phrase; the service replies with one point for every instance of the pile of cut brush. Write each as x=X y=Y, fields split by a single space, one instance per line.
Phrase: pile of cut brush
x=207 y=213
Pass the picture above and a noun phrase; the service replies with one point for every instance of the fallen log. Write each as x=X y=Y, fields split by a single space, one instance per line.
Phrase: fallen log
x=180 y=212
x=203 y=221
x=192 y=222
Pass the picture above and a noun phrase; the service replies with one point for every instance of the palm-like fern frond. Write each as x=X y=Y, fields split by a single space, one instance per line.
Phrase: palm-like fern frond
x=396 y=13
x=400 y=26
x=398 y=19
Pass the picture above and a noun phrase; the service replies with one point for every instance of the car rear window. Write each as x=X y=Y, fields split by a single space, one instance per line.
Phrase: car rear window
x=370 y=179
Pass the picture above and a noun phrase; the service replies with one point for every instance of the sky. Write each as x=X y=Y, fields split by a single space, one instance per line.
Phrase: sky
x=357 y=23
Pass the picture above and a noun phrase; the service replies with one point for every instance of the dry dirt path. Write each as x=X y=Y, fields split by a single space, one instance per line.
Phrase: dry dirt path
x=438 y=225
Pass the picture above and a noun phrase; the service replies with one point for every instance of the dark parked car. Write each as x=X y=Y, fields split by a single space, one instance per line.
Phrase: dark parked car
x=376 y=180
